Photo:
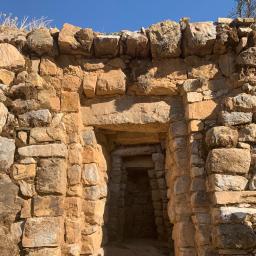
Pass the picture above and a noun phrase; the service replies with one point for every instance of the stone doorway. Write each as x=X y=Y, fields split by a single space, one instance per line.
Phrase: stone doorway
x=137 y=202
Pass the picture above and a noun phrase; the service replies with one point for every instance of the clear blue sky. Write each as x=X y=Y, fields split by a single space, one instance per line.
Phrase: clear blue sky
x=115 y=15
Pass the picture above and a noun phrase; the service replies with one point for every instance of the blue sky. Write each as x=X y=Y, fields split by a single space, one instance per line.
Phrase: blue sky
x=115 y=15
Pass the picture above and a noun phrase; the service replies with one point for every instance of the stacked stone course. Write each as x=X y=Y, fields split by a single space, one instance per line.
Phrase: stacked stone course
x=190 y=87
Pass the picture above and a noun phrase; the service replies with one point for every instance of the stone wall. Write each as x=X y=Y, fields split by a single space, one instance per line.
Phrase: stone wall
x=189 y=86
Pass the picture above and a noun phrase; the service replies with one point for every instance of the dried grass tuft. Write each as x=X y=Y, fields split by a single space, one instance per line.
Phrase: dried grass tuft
x=10 y=21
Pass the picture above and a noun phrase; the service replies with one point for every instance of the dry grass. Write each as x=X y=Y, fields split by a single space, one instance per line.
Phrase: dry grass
x=10 y=21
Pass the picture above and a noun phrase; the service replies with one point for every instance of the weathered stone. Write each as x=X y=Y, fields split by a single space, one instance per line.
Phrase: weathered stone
x=135 y=44
x=85 y=38
x=94 y=211
x=247 y=57
x=227 y=64
x=165 y=39
x=89 y=84
x=3 y=116
x=8 y=245
x=234 y=197
x=106 y=45
x=40 y=41
x=221 y=136
x=73 y=230
x=92 y=193
x=7 y=149
x=199 y=38
x=9 y=203
x=137 y=113
x=232 y=160
x=229 y=214
x=43 y=232
x=202 y=110
x=47 y=150
x=236 y=236
x=51 y=176
x=112 y=82
x=48 y=206
x=235 y=118
x=26 y=189
x=67 y=41
x=70 y=102
x=248 y=133
x=244 y=102
x=181 y=185
x=40 y=117
x=219 y=182
x=49 y=68
x=6 y=76
x=91 y=243
x=45 y=252
x=74 y=174
x=90 y=174
x=10 y=57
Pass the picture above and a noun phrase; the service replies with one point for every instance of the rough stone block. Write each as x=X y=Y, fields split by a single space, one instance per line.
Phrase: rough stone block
x=94 y=211
x=10 y=57
x=89 y=84
x=91 y=243
x=248 y=133
x=235 y=118
x=112 y=82
x=221 y=136
x=234 y=197
x=23 y=171
x=45 y=252
x=48 y=206
x=40 y=41
x=70 y=102
x=90 y=174
x=199 y=38
x=230 y=160
x=7 y=149
x=51 y=176
x=106 y=45
x=235 y=236
x=202 y=110
x=47 y=150
x=165 y=39
x=219 y=182
x=43 y=232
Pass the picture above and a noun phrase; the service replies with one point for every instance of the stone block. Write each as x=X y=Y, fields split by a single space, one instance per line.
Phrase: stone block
x=45 y=252
x=89 y=84
x=40 y=41
x=43 y=232
x=112 y=82
x=235 y=118
x=106 y=45
x=90 y=174
x=244 y=102
x=74 y=175
x=234 y=197
x=51 y=176
x=6 y=76
x=73 y=207
x=7 y=150
x=70 y=102
x=135 y=44
x=183 y=234
x=228 y=161
x=248 y=133
x=221 y=136
x=73 y=230
x=219 y=182
x=202 y=110
x=235 y=236
x=165 y=39
x=10 y=57
x=247 y=57
x=23 y=171
x=94 y=211
x=91 y=243
x=48 y=206
x=231 y=214
x=47 y=150
x=40 y=117
x=199 y=38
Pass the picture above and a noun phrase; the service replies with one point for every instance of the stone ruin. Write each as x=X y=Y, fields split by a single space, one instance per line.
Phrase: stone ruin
x=148 y=134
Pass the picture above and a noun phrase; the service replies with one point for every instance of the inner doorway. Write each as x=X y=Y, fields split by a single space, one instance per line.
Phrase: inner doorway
x=138 y=222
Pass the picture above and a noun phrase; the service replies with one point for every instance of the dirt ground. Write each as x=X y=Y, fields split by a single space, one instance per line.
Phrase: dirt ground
x=138 y=247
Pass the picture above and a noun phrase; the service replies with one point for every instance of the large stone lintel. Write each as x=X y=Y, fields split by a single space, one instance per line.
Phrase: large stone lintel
x=127 y=113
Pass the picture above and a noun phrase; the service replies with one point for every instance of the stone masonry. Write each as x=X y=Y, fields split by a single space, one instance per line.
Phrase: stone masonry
x=75 y=103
